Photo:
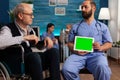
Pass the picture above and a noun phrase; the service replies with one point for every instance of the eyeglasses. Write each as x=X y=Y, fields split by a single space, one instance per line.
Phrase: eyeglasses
x=30 y=14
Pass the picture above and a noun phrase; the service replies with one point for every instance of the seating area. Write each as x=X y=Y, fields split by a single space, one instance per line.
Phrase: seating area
x=20 y=51
x=85 y=29
x=17 y=70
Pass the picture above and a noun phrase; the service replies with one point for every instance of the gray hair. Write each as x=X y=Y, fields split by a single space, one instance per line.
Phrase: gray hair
x=18 y=9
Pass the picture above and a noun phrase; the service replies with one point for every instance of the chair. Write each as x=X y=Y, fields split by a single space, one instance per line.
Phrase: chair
x=84 y=71
x=14 y=64
x=4 y=75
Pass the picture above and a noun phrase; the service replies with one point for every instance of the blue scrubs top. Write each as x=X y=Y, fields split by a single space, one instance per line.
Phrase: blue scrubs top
x=96 y=30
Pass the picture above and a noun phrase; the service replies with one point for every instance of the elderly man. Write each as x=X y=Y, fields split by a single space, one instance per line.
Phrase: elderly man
x=19 y=32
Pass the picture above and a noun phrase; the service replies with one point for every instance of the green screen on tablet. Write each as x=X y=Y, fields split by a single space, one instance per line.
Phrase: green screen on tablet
x=83 y=43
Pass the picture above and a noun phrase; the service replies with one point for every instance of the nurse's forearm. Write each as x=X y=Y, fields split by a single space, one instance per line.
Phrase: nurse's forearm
x=105 y=46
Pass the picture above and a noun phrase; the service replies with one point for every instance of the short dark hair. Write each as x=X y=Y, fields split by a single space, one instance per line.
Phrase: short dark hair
x=93 y=3
x=49 y=25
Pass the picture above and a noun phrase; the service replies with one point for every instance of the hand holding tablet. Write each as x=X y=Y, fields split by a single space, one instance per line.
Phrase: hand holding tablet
x=83 y=43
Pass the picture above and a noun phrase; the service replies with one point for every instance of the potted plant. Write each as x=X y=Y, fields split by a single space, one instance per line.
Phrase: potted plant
x=10 y=12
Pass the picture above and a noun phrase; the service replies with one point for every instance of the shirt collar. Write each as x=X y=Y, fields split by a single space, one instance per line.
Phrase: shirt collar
x=29 y=29
x=92 y=23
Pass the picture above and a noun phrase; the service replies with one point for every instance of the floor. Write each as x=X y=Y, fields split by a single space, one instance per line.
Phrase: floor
x=115 y=68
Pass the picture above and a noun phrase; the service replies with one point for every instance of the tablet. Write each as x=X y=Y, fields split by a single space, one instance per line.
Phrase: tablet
x=83 y=43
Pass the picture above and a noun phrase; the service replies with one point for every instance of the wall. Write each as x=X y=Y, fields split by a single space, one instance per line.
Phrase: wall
x=44 y=14
x=5 y=5
x=4 y=8
x=103 y=3
x=13 y=3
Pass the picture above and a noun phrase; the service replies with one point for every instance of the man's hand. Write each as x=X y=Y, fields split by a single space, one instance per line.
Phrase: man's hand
x=81 y=52
x=103 y=47
x=96 y=45
x=55 y=41
x=71 y=47
x=48 y=42
x=31 y=38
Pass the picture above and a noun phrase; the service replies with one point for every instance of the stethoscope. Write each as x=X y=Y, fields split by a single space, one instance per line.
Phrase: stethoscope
x=97 y=25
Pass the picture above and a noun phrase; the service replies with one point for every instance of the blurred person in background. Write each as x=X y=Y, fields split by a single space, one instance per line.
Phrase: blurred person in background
x=49 y=33
x=64 y=40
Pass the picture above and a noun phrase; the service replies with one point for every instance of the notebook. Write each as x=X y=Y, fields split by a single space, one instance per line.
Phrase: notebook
x=83 y=43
